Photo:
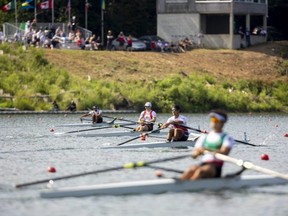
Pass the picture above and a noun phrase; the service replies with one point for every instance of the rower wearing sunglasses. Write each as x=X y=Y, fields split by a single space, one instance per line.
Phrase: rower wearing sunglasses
x=177 y=132
x=215 y=141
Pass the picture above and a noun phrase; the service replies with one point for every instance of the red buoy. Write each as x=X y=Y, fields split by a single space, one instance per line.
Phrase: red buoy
x=51 y=169
x=264 y=157
x=158 y=173
x=286 y=135
x=51 y=130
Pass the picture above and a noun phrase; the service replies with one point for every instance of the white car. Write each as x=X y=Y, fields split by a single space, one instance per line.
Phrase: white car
x=137 y=45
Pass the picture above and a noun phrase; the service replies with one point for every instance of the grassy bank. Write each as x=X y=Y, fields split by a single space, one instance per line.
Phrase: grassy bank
x=250 y=80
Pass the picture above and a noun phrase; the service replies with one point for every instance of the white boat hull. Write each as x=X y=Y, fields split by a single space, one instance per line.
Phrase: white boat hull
x=164 y=185
x=120 y=133
x=178 y=144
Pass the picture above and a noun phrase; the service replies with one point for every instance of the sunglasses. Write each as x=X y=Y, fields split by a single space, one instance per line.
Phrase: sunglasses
x=214 y=120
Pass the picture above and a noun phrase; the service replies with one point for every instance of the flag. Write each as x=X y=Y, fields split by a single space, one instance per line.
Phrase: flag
x=68 y=7
x=87 y=5
x=9 y=6
x=27 y=4
x=103 y=4
x=45 y=5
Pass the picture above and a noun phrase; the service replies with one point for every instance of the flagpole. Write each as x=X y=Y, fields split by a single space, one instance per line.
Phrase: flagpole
x=86 y=14
x=35 y=10
x=69 y=12
x=16 y=18
x=52 y=12
x=102 y=25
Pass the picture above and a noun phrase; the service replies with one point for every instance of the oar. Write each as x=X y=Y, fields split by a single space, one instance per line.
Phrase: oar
x=90 y=129
x=249 y=165
x=85 y=119
x=125 y=166
x=135 y=122
x=122 y=119
x=204 y=131
x=143 y=134
x=77 y=131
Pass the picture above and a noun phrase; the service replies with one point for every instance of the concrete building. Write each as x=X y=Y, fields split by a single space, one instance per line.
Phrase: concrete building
x=211 y=23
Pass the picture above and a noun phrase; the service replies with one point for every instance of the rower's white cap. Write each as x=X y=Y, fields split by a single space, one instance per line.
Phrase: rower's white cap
x=148 y=104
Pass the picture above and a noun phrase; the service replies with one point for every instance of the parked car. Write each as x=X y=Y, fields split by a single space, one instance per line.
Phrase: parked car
x=137 y=45
x=154 y=42
x=272 y=33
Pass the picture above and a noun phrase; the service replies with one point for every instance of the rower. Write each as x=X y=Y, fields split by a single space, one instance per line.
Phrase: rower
x=214 y=141
x=147 y=118
x=176 y=132
x=96 y=114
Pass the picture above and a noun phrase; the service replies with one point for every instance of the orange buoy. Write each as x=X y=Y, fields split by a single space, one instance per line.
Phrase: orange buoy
x=51 y=169
x=264 y=157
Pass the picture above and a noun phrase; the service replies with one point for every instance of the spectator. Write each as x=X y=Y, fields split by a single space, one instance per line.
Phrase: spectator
x=129 y=43
x=121 y=40
x=200 y=36
x=16 y=36
x=110 y=38
x=1 y=36
x=241 y=33
x=55 y=107
x=71 y=36
x=248 y=37
x=72 y=106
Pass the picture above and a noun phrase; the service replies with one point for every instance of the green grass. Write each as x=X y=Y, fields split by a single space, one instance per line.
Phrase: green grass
x=26 y=75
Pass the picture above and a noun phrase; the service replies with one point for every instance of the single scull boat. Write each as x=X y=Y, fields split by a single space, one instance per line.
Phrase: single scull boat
x=157 y=186
x=119 y=133
x=178 y=144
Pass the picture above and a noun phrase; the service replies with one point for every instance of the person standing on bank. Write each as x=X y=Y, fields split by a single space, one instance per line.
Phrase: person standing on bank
x=177 y=132
x=216 y=141
x=96 y=114
x=110 y=38
x=147 y=118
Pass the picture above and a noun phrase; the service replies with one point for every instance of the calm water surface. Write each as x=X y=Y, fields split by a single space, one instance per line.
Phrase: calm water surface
x=28 y=148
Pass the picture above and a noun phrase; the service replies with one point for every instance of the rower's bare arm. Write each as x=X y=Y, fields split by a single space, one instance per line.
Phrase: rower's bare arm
x=197 y=151
x=223 y=150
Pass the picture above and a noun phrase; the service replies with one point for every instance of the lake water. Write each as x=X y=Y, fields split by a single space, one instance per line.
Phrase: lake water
x=28 y=148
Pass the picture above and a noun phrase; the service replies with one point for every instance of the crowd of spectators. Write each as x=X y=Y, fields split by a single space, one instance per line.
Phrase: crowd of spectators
x=51 y=37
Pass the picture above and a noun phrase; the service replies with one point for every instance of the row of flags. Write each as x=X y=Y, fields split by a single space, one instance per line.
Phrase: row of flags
x=28 y=4
x=44 y=5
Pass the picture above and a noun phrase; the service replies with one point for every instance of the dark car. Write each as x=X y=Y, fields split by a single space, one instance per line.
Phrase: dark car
x=154 y=42
x=137 y=45
x=272 y=33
